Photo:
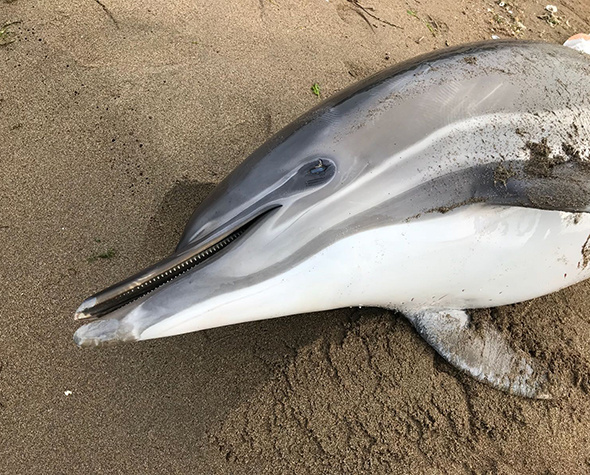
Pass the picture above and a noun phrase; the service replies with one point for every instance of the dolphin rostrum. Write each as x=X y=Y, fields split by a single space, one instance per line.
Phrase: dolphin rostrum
x=457 y=180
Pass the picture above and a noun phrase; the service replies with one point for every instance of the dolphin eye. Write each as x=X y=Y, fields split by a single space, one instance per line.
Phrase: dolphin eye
x=315 y=173
x=318 y=172
x=319 y=167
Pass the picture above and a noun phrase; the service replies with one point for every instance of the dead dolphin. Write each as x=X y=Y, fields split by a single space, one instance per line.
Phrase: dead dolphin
x=456 y=180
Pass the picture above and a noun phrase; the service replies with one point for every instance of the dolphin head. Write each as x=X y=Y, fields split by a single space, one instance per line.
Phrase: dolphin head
x=251 y=222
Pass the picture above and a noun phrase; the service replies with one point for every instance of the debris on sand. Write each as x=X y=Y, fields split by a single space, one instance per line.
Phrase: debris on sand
x=550 y=17
x=433 y=25
x=6 y=35
x=315 y=89
x=551 y=8
x=507 y=21
x=108 y=254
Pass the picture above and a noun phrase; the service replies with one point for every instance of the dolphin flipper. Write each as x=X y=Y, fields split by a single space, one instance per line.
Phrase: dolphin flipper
x=481 y=352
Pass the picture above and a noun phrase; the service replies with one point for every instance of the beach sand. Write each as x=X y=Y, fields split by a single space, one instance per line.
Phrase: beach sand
x=117 y=118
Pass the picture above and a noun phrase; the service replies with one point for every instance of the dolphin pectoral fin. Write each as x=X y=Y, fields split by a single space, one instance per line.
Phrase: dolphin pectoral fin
x=481 y=352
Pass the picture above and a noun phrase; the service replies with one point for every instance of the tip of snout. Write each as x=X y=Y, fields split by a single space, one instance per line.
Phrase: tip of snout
x=104 y=332
x=81 y=313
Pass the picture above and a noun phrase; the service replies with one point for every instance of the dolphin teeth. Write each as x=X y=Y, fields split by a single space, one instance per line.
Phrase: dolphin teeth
x=138 y=286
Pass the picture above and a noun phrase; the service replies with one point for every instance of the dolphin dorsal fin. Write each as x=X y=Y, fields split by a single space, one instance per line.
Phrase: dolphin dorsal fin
x=481 y=352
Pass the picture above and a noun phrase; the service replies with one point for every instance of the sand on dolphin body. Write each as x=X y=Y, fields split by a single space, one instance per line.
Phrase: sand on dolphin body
x=117 y=118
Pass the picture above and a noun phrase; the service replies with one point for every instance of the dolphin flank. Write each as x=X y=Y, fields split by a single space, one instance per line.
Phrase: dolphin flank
x=453 y=181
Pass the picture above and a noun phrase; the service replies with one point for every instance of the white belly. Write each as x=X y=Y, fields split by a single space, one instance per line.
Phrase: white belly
x=474 y=256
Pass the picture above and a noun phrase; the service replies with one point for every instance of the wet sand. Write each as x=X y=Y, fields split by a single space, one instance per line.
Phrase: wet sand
x=117 y=118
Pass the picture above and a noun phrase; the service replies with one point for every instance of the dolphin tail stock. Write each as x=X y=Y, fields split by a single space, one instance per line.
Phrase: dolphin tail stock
x=481 y=352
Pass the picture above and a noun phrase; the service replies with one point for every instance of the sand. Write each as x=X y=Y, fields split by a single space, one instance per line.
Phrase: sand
x=116 y=119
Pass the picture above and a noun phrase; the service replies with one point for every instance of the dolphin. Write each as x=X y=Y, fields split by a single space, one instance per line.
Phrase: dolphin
x=457 y=180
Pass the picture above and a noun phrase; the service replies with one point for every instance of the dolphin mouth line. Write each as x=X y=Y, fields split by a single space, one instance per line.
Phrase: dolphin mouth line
x=159 y=274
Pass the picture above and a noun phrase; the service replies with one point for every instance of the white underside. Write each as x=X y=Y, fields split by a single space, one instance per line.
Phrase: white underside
x=475 y=256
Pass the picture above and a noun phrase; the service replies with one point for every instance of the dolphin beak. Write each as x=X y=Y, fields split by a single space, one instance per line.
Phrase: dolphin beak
x=142 y=283
x=106 y=308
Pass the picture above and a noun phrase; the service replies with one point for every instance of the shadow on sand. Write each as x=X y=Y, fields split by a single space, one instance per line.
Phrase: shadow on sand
x=182 y=386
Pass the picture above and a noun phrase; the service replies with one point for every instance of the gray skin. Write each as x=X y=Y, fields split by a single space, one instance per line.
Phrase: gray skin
x=358 y=162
